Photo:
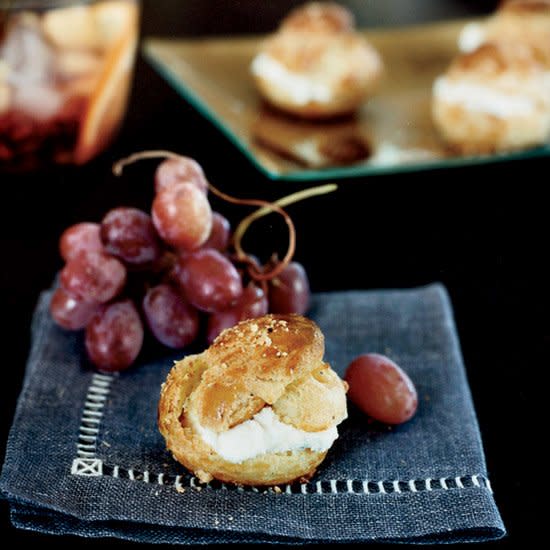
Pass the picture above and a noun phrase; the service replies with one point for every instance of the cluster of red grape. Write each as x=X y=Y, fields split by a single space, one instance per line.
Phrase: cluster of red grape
x=180 y=256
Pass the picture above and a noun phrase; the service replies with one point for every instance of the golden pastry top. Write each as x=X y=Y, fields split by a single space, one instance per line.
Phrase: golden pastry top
x=251 y=365
x=319 y=17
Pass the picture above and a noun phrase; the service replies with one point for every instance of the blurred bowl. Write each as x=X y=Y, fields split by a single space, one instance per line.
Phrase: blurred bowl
x=65 y=74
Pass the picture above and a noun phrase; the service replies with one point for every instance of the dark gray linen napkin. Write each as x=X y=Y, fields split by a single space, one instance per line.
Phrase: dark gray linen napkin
x=85 y=457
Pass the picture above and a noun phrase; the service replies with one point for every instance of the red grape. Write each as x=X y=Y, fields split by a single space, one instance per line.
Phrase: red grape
x=289 y=291
x=93 y=277
x=82 y=237
x=114 y=336
x=70 y=312
x=182 y=216
x=218 y=322
x=129 y=234
x=220 y=233
x=172 y=171
x=381 y=389
x=173 y=322
x=209 y=280
x=252 y=304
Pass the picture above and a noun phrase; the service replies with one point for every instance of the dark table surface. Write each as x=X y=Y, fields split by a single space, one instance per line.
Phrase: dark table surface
x=482 y=231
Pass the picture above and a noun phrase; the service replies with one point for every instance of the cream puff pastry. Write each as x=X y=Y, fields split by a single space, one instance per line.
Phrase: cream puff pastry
x=258 y=407
x=316 y=65
x=496 y=98
x=516 y=21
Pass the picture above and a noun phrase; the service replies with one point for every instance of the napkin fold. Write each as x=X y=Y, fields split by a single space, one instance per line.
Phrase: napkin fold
x=85 y=457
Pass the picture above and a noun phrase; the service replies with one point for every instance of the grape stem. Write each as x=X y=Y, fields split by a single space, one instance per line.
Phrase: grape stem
x=119 y=166
x=264 y=208
x=276 y=206
x=253 y=271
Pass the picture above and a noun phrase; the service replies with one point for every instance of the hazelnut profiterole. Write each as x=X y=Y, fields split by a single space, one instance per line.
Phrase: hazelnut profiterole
x=316 y=65
x=496 y=98
x=258 y=407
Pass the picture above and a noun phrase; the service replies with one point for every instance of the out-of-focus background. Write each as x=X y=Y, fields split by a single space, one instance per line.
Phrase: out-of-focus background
x=198 y=17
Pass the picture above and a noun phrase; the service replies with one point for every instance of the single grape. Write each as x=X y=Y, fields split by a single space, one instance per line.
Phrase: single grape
x=209 y=280
x=182 y=216
x=81 y=237
x=251 y=304
x=129 y=234
x=381 y=389
x=220 y=233
x=218 y=322
x=93 y=277
x=70 y=312
x=289 y=291
x=172 y=171
x=173 y=322
x=114 y=336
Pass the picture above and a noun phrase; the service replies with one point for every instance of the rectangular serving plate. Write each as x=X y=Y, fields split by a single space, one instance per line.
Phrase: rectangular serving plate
x=213 y=74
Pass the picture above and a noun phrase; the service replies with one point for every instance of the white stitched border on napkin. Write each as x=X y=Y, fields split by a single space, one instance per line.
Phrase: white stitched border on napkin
x=95 y=467
x=87 y=464
x=92 y=413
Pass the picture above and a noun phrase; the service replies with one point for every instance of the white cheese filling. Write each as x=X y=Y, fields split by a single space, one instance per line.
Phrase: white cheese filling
x=471 y=37
x=264 y=433
x=301 y=89
x=486 y=99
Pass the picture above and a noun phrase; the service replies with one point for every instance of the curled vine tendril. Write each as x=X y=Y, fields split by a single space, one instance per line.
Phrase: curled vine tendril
x=256 y=272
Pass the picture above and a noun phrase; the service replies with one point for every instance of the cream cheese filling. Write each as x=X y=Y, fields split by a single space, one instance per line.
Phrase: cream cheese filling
x=471 y=37
x=301 y=89
x=263 y=433
x=486 y=99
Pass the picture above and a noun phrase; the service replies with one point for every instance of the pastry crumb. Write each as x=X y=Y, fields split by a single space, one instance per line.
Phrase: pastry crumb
x=204 y=477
